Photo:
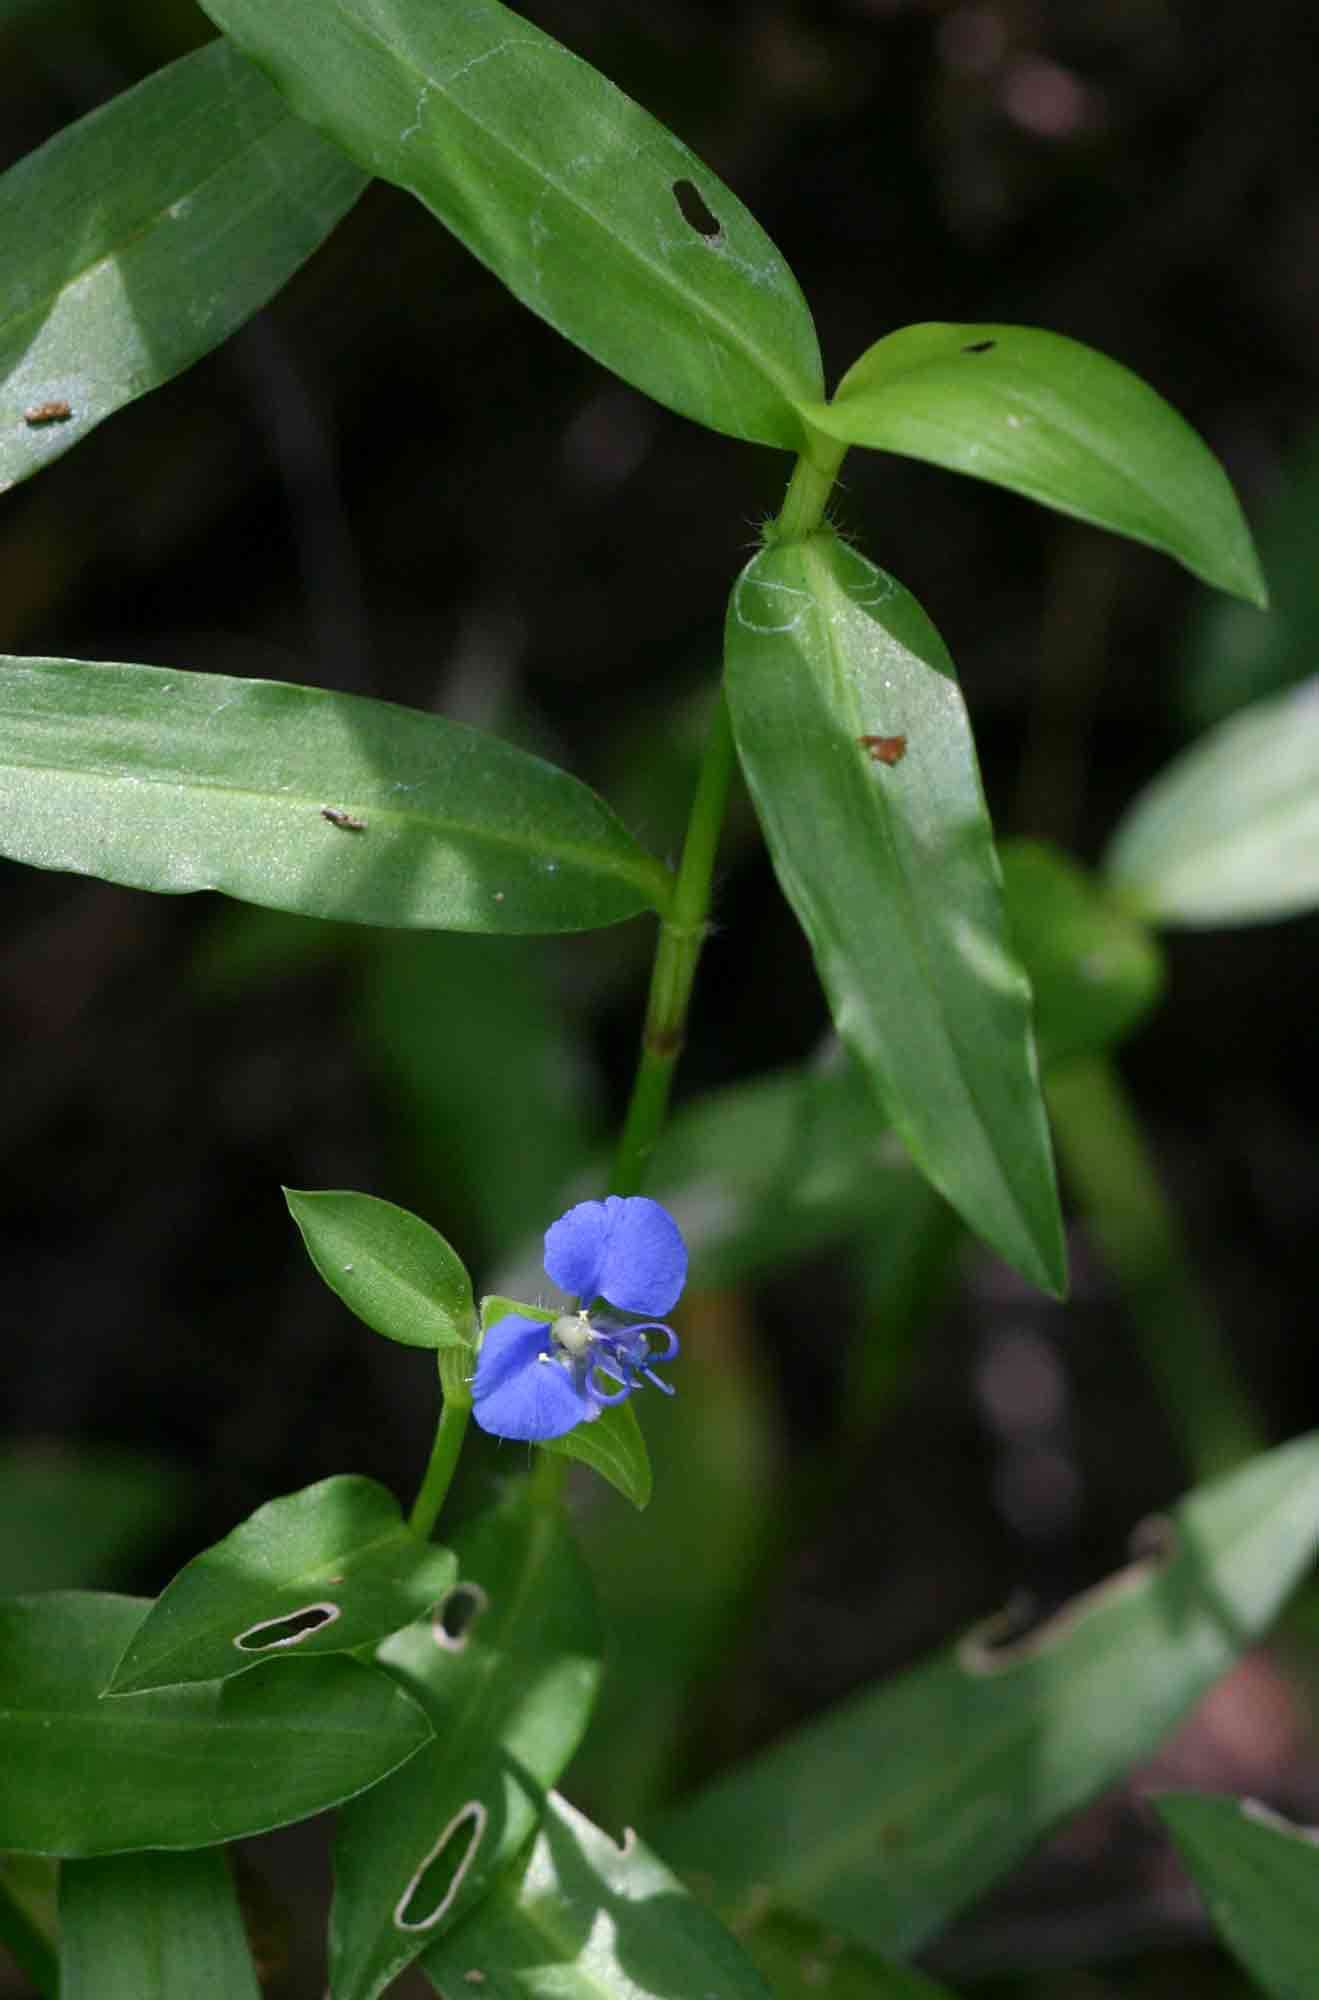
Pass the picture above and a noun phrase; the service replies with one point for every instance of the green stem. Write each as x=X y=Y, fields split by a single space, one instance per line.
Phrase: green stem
x=1108 y=1163
x=681 y=935
x=808 y=491
x=449 y=1434
x=28 y=1945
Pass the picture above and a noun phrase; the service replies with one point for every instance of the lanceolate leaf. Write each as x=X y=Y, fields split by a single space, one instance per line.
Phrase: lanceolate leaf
x=322 y=1571
x=388 y=1266
x=857 y=748
x=1229 y=833
x=181 y=1767
x=1259 y=1877
x=1054 y=420
x=329 y=805
x=891 y=1813
x=591 y=212
x=589 y=1919
x=142 y=236
x=508 y=1688
x=153 y=1927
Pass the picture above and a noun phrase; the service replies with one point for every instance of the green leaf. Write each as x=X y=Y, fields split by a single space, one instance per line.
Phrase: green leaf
x=588 y=209
x=803 y=1960
x=587 y=1919
x=325 y=1570
x=895 y=1810
x=1057 y=422
x=388 y=1266
x=890 y=867
x=612 y=1445
x=1229 y=832
x=153 y=1927
x=177 y=781
x=1095 y=971
x=142 y=236
x=182 y=1767
x=1259 y=1877
x=508 y=1697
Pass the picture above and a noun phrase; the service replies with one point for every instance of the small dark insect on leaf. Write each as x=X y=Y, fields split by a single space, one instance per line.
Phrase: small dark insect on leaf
x=884 y=749
x=343 y=820
x=56 y=411
x=980 y=347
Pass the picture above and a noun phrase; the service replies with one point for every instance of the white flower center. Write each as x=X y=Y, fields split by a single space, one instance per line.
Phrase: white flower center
x=572 y=1332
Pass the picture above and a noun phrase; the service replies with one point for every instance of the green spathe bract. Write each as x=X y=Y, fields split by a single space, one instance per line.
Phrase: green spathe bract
x=1051 y=419
x=143 y=235
x=326 y=1570
x=572 y=194
x=178 y=781
x=388 y=1266
x=892 y=873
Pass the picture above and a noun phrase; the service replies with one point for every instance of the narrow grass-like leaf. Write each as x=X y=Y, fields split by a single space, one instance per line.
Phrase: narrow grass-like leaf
x=858 y=752
x=323 y=1571
x=1095 y=970
x=893 y=1812
x=140 y=237
x=589 y=210
x=589 y=1919
x=508 y=1688
x=330 y=805
x=1259 y=1877
x=1229 y=832
x=1054 y=420
x=153 y=1927
x=180 y=1767
x=388 y=1266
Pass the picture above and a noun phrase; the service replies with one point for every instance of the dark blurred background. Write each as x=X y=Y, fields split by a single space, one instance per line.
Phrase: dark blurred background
x=396 y=482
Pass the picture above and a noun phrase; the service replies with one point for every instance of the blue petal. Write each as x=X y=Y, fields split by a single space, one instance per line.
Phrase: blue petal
x=626 y=1249
x=517 y=1392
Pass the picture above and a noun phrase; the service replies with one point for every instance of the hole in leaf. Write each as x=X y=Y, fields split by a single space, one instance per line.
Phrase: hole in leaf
x=980 y=347
x=455 y=1615
x=290 y=1630
x=431 y=1892
x=694 y=209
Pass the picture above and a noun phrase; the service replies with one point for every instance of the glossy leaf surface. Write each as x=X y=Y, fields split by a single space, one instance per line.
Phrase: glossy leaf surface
x=321 y=1571
x=890 y=867
x=1095 y=972
x=388 y=1266
x=181 y=1767
x=153 y=1927
x=508 y=1698
x=1051 y=419
x=1229 y=832
x=587 y=1919
x=1259 y=1877
x=140 y=237
x=588 y=209
x=894 y=1811
x=177 y=781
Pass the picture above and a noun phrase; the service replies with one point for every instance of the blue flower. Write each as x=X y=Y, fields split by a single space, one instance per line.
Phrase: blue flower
x=537 y=1378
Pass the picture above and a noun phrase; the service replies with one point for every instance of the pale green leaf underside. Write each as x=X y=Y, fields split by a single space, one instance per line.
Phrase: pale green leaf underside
x=1229 y=832
x=388 y=1266
x=564 y=187
x=589 y=1919
x=182 y=1766
x=180 y=781
x=1051 y=419
x=339 y=1551
x=153 y=1927
x=890 y=1814
x=892 y=873
x=1259 y=1877
x=140 y=237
